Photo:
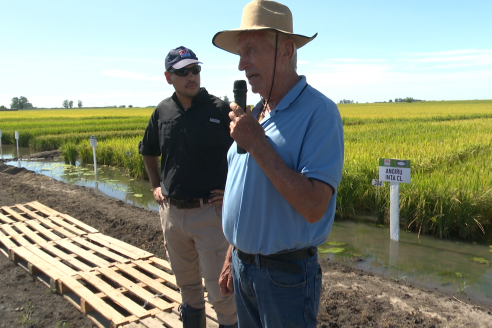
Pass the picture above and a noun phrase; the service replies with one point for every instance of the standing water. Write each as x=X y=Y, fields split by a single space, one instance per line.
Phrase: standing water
x=462 y=268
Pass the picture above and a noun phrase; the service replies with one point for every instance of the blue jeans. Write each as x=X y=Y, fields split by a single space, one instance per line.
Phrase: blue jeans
x=272 y=299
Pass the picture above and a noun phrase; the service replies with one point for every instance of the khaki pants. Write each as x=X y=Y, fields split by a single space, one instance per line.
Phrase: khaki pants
x=196 y=245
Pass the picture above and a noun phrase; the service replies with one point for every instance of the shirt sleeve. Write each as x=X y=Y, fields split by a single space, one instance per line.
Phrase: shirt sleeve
x=323 y=150
x=149 y=145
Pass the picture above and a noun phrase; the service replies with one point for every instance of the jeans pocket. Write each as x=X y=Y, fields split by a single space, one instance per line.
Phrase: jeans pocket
x=317 y=286
x=287 y=280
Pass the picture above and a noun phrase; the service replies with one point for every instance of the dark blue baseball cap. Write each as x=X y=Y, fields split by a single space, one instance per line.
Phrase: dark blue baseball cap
x=180 y=57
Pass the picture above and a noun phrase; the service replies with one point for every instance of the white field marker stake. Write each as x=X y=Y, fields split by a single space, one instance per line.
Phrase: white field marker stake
x=1 y=149
x=395 y=171
x=17 y=142
x=93 y=141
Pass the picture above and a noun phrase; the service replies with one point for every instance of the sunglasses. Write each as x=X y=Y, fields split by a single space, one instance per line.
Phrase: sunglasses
x=185 y=71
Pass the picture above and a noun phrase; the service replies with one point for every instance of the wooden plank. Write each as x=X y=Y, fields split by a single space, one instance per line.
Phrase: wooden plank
x=29 y=213
x=152 y=283
x=96 y=303
x=57 y=264
x=161 y=262
x=15 y=235
x=157 y=272
x=42 y=208
x=78 y=223
x=115 y=295
x=151 y=323
x=42 y=230
x=119 y=246
x=14 y=214
x=59 y=229
x=29 y=233
x=170 y=319
x=97 y=261
x=135 y=289
x=68 y=226
x=5 y=240
x=73 y=261
x=104 y=251
x=6 y=219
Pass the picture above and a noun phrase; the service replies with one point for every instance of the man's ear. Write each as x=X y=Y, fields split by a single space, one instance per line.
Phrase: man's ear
x=287 y=50
x=168 y=77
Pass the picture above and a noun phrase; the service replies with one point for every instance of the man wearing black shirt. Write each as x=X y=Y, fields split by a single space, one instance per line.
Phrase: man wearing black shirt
x=191 y=132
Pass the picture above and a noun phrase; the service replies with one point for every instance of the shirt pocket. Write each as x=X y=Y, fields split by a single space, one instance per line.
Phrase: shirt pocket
x=167 y=134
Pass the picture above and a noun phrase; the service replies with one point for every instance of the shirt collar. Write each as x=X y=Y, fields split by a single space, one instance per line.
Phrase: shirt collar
x=202 y=94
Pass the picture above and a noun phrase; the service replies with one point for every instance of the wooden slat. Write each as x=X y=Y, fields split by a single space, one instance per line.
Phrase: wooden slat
x=38 y=262
x=53 y=226
x=14 y=214
x=29 y=213
x=155 y=271
x=119 y=246
x=15 y=235
x=6 y=219
x=137 y=290
x=95 y=302
x=42 y=230
x=41 y=208
x=151 y=323
x=57 y=264
x=68 y=226
x=29 y=233
x=78 y=223
x=161 y=262
x=100 y=250
x=170 y=318
x=128 y=268
x=115 y=295
x=73 y=261
x=83 y=253
x=6 y=241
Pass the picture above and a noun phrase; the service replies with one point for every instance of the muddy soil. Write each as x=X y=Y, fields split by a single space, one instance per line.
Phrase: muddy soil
x=350 y=297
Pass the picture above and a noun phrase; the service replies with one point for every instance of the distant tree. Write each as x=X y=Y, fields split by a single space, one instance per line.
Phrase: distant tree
x=130 y=106
x=391 y=100
x=408 y=99
x=65 y=103
x=226 y=99
x=70 y=104
x=19 y=103
x=2 y=107
x=122 y=106
x=79 y=103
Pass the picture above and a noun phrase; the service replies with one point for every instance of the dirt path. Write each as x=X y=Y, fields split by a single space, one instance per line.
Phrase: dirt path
x=350 y=297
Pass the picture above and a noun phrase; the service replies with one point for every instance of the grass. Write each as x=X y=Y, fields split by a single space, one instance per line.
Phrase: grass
x=449 y=144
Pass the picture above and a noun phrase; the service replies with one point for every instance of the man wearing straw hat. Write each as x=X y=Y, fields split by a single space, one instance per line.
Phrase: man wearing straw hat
x=279 y=201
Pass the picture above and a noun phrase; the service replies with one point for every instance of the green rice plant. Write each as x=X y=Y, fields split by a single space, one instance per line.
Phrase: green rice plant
x=69 y=153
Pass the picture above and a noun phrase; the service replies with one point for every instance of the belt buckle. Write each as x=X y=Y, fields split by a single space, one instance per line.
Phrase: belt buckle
x=180 y=204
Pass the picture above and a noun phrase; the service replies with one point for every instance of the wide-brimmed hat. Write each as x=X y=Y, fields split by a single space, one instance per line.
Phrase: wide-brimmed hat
x=261 y=15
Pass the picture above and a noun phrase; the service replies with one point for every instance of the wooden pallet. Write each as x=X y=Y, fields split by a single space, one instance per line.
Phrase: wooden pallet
x=112 y=282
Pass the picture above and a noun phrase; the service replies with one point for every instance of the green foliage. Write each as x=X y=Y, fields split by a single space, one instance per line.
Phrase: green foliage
x=26 y=314
x=79 y=103
x=69 y=153
x=63 y=324
x=19 y=103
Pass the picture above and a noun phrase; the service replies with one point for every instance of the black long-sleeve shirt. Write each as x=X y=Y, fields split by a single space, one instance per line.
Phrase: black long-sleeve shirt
x=193 y=144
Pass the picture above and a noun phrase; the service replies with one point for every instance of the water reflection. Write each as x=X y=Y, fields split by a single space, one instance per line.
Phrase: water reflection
x=10 y=151
x=426 y=261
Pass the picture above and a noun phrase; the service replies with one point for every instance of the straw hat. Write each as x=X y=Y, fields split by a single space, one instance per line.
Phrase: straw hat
x=261 y=15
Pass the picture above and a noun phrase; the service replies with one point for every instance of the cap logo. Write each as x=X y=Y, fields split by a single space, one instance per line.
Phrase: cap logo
x=184 y=53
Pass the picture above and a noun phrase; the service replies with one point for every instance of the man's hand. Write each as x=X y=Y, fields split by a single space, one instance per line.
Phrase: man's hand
x=217 y=197
x=245 y=130
x=225 y=279
x=159 y=198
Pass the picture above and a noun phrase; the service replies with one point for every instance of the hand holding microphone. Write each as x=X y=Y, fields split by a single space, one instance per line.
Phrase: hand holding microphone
x=245 y=129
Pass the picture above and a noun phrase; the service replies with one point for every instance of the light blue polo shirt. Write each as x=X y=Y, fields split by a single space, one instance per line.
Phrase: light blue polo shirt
x=306 y=131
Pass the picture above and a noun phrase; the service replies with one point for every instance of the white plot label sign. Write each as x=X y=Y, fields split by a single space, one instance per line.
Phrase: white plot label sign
x=394 y=170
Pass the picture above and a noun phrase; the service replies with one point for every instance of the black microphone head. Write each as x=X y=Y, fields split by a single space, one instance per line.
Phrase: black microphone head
x=240 y=85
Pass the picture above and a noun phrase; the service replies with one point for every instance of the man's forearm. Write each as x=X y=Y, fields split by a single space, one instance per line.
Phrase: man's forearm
x=152 y=167
x=309 y=197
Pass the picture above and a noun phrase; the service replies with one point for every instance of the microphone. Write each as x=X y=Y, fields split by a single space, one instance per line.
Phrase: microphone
x=240 y=90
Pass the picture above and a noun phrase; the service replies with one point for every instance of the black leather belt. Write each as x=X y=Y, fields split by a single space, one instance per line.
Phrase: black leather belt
x=279 y=261
x=188 y=203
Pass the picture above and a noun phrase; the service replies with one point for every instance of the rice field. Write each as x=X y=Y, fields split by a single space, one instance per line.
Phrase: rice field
x=449 y=144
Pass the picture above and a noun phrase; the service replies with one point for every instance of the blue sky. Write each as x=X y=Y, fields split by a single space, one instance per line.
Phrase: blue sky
x=112 y=52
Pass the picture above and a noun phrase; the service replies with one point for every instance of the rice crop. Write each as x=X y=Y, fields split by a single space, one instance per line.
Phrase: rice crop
x=449 y=144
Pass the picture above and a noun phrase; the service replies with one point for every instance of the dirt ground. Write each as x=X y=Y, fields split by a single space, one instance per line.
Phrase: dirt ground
x=350 y=297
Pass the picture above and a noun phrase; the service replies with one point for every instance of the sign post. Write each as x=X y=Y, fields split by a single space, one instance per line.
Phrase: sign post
x=17 y=142
x=93 y=141
x=1 y=149
x=395 y=171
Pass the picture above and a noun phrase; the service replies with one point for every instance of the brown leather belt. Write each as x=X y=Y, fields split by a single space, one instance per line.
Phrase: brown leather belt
x=188 y=203
x=279 y=261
